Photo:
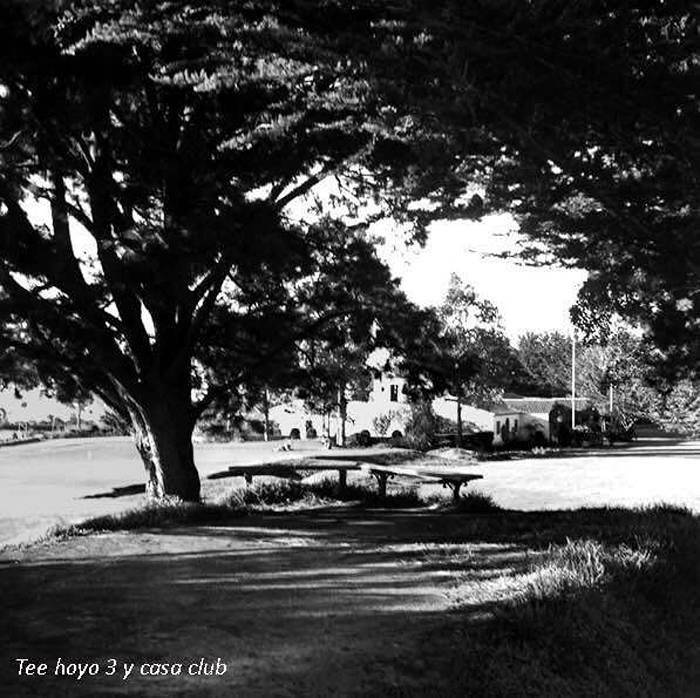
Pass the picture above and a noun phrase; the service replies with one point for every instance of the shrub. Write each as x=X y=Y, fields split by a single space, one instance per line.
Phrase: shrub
x=476 y=502
x=681 y=411
x=364 y=438
x=382 y=422
x=268 y=493
x=421 y=427
x=365 y=492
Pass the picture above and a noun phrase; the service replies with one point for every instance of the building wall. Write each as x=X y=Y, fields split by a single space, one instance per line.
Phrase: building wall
x=473 y=418
x=387 y=397
x=362 y=415
x=388 y=390
x=507 y=426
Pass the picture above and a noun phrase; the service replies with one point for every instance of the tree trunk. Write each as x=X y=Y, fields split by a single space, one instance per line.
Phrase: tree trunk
x=343 y=415
x=163 y=435
x=266 y=413
x=460 y=431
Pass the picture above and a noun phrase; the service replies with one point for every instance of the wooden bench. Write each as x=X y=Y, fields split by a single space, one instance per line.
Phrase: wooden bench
x=290 y=469
x=449 y=476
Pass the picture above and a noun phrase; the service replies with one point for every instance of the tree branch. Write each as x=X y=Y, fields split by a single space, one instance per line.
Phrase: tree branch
x=330 y=169
x=127 y=303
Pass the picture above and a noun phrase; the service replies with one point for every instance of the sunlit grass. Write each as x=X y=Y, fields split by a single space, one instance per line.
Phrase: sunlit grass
x=614 y=612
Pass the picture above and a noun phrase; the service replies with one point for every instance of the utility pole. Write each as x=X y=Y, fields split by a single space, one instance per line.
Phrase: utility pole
x=573 y=379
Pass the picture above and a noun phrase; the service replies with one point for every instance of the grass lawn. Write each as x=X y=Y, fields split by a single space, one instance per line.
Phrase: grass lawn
x=70 y=480
x=298 y=595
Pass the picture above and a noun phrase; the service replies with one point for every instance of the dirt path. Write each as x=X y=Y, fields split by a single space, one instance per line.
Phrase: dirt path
x=327 y=603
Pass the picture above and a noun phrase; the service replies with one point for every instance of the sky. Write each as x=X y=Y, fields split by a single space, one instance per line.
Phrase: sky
x=535 y=299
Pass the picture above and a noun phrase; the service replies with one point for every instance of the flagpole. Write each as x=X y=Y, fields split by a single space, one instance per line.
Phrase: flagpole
x=573 y=379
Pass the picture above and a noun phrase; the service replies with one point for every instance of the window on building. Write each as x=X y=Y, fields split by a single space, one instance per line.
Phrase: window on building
x=394 y=393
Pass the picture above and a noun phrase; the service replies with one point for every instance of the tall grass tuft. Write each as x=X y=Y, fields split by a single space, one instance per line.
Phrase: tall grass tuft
x=613 y=614
x=474 y=502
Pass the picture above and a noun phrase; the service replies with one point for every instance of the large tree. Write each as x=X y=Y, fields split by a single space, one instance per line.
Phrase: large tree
x=167 y=141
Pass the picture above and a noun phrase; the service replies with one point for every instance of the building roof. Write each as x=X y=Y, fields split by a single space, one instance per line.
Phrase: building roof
x=499 y=408
x=535 y=405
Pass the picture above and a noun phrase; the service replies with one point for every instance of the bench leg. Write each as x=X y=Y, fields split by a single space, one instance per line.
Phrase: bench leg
x=342 y=481
x=381 y=482
x=248 y=479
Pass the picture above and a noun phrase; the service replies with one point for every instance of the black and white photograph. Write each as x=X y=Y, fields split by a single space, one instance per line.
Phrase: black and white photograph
x=350 y=348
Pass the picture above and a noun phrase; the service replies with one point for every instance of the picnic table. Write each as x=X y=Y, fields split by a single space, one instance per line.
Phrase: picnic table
x=449 y=475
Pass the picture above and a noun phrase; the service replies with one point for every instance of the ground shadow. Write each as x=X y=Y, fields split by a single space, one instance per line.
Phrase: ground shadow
x=115 y=492
x=334 y=601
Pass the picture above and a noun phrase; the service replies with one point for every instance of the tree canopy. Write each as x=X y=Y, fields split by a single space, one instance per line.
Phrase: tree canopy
x=168 y=140
x=584 y=118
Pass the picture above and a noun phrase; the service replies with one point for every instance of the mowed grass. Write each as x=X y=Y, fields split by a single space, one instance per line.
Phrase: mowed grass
x=608 y=606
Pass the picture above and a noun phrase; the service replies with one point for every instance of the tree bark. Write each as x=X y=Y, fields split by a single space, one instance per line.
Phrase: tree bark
x=163 y=436
x=266 y=412
x=460 y=430
x=343 y=416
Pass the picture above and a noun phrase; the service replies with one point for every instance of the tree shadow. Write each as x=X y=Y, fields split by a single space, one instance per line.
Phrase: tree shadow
x=330 y=601
x=116 y=492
